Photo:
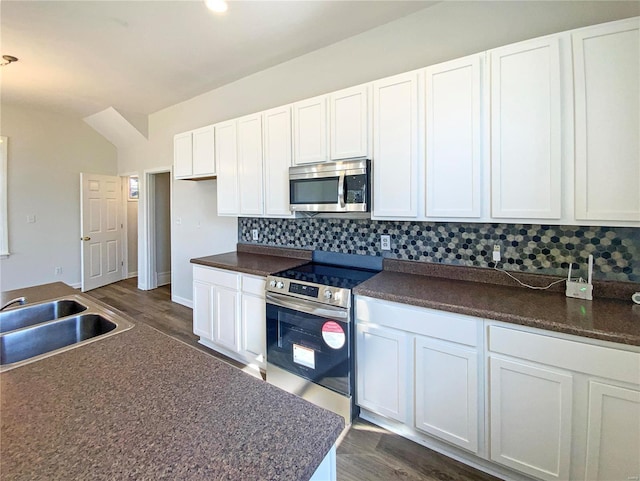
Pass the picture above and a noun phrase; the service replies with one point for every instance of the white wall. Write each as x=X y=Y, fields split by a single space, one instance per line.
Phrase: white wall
x=47 y=152
x=445 y=31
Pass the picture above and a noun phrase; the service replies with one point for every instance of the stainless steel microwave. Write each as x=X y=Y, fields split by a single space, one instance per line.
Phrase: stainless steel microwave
x=342 y=186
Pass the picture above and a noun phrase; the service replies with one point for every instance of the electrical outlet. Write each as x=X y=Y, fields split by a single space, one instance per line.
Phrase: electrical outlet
x=58 y=271
x=254 y=234
x=385 y=242
x=496 y=253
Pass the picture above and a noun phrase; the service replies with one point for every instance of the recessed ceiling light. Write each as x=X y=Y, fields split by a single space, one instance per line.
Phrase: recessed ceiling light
x=218 y=6
x=7 y=59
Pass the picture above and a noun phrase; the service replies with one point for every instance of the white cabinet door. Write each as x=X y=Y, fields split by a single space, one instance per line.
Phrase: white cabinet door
x=203 y=151
x=227 y=160
x=203 y=309
x=446 y=386
x=530 y=410
x=182 y=155
x=226 y=318
x=382 y=370
x=277 y=160
x=310 y=131
x=395 y=159
x=350 y=123
x=254 y=336
x=526 y=130
x=453 y=140
x=613 y=437
x=250 y=164
x=607 y=121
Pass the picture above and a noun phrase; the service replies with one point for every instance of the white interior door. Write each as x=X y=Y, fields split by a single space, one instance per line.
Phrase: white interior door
x=101 y=230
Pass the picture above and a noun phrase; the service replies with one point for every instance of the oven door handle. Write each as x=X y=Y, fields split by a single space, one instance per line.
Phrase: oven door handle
x=307 y=308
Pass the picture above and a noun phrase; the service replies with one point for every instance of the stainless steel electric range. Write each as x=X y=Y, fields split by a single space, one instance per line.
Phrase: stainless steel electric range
x=311 y=332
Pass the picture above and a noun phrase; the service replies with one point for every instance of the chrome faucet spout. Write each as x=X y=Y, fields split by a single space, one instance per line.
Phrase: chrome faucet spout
x=17 y=300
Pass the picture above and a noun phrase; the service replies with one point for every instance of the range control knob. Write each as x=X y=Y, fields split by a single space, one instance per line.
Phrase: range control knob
x=280 y=284
x=328 y=294
x=272 y=283
x=337 y=296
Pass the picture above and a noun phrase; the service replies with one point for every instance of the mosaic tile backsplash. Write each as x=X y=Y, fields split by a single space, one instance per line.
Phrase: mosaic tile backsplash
x=525 y=247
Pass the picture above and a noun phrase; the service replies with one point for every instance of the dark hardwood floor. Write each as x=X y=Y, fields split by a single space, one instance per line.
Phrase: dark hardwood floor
x=366 y=453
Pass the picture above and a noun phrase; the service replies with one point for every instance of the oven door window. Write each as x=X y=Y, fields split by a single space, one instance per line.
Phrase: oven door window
x=313 y=347
x=314 y=191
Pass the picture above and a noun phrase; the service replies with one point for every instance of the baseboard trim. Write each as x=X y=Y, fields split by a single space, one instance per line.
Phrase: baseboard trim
x=182 y=300
x=132 y=274
x=76 y=285
x=164 y=278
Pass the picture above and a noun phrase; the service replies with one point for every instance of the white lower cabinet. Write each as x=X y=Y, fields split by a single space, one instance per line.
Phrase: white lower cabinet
x=419 y=367
x=383 y=368
x=225 y=316
x=229 y=313
x=253 y=325
x=519 y=402
x=530 y=418
x=562 y=408
x=613 y=433
x=446 y=391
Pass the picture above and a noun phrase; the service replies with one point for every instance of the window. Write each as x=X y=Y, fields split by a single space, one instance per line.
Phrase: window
x=4 y=225
x=134 y=192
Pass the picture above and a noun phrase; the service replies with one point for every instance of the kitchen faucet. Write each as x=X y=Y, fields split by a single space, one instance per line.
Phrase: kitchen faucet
x=19 y=300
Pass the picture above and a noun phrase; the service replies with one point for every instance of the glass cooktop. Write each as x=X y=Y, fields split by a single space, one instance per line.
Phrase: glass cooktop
x=328 y=275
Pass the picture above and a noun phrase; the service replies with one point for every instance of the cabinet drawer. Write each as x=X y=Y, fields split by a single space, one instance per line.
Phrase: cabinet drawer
x=575 y=356
x=419 y=320
x=253 y=285
x=219 y=277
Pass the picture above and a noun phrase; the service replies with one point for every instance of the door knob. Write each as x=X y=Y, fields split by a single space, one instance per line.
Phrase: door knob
x=85 y=238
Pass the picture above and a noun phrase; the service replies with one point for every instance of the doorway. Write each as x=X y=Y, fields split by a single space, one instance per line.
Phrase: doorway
x=158 y=228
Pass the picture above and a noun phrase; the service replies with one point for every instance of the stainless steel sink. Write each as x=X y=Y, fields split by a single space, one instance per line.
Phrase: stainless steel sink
x=37 y=313
x=28 y=336
x=27 y=343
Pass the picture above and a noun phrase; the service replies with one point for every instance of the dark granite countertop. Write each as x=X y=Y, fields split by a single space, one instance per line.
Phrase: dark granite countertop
x=605 y=319
x=141 y=405
x=260 y=261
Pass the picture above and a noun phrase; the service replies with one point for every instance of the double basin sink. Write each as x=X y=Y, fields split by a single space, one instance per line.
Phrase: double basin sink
x=36 y=331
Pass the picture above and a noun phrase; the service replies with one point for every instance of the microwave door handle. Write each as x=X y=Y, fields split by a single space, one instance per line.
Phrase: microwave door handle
x=303 y=306
x=341 y=192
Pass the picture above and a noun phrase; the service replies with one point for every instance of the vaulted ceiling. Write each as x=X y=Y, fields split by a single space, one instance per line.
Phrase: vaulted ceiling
x=81 y=57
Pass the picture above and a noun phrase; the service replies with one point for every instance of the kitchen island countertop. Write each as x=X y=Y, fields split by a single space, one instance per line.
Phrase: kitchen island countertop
x=141 y=405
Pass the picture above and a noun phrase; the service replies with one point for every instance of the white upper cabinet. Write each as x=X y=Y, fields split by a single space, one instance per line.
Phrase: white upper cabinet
x=250 y=164
x=203 y=151
x=226 y=153
x=453 y=138
x=277 y=160
x=193 y=154
x=350 y=125
x=395 y=159
x=182 y=155
x=606 y=61
x=526 y=141
x=310 y=131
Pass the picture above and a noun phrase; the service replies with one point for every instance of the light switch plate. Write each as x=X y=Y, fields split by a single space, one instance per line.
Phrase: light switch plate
x=580 y=290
